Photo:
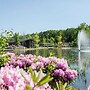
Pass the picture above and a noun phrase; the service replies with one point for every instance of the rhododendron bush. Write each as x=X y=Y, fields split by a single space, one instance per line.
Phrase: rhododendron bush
x=12 y=79
x=22 y=72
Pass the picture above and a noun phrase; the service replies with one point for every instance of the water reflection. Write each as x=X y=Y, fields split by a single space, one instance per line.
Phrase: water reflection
x=83 y=79
x=58 y=52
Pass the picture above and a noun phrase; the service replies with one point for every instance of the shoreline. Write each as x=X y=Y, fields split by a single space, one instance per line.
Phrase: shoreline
x=26 y=49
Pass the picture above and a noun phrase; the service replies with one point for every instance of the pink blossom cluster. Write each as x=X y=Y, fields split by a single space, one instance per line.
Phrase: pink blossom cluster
x=60 y=66
x=12 y=79
x=36 y=62
x=64 y=71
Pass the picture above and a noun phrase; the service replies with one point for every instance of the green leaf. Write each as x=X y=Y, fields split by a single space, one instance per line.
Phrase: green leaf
x=28 y=87
x=44 y=80
x=60 y=86
x=57 y=86
x=32 y=74
x=71 y=88
x=65 y=85
x=38 y=76
x=24 y=77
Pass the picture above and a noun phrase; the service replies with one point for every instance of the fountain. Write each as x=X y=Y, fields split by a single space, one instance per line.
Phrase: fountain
x=83 y=41
x=84 y=49
x=83 y=60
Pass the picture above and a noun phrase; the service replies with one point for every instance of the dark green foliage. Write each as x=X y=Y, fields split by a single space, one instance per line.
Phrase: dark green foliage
x=3 y=60
x=36 y=40
x=4 y=38
x=68 y=35
x=17 y=39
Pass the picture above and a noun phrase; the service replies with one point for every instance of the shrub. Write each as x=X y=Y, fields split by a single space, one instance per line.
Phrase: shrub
x=58 y=69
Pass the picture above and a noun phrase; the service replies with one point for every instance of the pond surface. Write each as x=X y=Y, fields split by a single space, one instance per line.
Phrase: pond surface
x=79 y=60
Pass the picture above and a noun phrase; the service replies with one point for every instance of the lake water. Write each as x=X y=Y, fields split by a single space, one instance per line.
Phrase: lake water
x=78 y=60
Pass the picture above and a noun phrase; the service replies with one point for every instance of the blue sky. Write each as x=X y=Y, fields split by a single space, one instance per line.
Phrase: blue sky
x=30 y=16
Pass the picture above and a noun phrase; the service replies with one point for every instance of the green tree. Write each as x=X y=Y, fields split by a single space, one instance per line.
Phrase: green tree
x=44 y=40
x=16 y=38
x=52 y=40
x=36 y=40
x=28 y=36
x=4 y=39
x=82 y=26
x=59 y=38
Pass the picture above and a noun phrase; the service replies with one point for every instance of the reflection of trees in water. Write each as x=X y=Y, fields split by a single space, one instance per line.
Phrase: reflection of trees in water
x=83 y=65
x=84 y=60
x=59 y=53
x=69 y=55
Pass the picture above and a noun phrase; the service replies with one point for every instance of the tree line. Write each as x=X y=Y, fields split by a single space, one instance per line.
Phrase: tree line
x=55 y=37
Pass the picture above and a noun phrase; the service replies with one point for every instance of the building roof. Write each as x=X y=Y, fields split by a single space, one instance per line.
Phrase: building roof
x=22 y=40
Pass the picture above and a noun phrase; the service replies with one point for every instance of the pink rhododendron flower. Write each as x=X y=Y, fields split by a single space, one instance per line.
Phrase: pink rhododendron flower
x=12 y=79
x=71 y=74
x=55 y=66
x=62 y=64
